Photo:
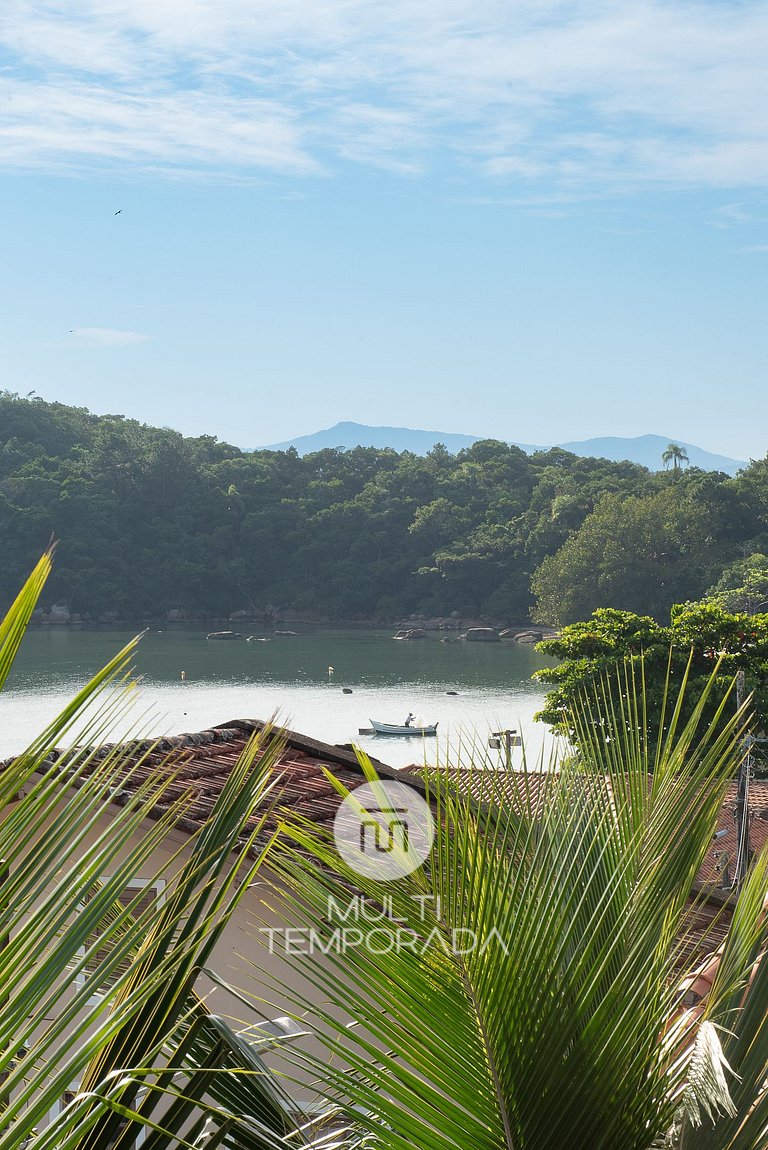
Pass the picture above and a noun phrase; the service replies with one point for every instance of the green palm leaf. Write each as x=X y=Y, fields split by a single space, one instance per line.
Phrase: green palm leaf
x=549 y=1032
x=97 y=993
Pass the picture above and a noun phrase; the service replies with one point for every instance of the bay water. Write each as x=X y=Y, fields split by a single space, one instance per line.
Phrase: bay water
x=189 y=683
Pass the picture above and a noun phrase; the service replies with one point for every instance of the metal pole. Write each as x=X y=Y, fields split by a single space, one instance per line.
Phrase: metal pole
x=4 y=943
x=504 y=741
x=742 y=797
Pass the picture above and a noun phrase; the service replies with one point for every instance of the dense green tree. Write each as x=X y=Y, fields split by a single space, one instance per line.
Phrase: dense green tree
x=150 y=520
x=743 y=586
x=611 y=644
x=638 y=553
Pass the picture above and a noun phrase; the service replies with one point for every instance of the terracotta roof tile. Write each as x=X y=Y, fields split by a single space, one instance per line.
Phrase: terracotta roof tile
x=203 y=760
x=515 y=787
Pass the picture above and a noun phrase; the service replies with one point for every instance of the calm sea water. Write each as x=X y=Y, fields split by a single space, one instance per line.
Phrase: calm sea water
x=290 y=676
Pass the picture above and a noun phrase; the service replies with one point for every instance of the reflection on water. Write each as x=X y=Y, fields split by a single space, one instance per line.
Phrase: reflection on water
x=300 y=678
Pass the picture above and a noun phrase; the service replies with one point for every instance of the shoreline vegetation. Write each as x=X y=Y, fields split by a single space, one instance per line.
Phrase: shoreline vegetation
x=414 y=628
x=550 y=910
x=160 y=528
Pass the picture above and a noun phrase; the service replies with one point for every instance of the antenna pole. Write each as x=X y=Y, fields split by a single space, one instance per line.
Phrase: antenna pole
x=742 y=796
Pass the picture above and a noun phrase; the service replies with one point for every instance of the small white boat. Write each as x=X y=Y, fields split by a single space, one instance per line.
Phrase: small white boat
x=394 y=729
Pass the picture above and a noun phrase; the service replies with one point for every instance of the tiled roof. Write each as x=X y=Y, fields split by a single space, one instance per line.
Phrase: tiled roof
x=201 y=763
x=727 y=846
x=707 y=926
x=517 y=787
x=491 y=787
x=711 y=906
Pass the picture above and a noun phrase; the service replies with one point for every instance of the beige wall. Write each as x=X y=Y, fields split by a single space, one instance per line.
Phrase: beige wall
x=242 y=955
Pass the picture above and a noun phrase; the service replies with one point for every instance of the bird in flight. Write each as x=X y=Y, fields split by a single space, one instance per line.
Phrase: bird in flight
x=119 y=210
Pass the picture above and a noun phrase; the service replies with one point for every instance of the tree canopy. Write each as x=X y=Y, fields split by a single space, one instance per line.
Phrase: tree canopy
x=613 y=645
x=674 y=454
x=368 y=533
x=743 y=586
x=640 y=553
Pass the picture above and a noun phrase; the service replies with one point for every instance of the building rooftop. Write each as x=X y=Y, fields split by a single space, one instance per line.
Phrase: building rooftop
x=201 y=763
x=516 y=788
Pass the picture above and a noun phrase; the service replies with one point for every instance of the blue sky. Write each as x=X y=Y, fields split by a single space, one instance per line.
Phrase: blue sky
x=541 y=221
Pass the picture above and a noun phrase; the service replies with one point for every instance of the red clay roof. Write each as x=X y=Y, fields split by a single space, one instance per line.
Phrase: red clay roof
x=201 y=763
x=488 y=786
x=758 y=828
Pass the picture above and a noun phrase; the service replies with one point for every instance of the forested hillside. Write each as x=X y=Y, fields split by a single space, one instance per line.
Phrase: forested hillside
x=150 y=521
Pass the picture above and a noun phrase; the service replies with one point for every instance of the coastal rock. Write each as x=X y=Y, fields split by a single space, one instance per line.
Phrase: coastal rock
x=438 y=623
x=482 y=635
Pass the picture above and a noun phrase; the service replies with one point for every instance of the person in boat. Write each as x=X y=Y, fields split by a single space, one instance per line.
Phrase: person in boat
x=409 y=721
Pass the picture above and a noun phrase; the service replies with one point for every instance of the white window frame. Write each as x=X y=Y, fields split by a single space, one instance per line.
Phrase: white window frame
x=74 y=1089
x=135 y=885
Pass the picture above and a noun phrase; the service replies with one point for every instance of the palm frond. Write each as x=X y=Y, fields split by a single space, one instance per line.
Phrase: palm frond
x=548 y=1032
x=96 y=990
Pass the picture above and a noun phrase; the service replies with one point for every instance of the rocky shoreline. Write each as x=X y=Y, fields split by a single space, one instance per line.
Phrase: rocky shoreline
x=413 y=626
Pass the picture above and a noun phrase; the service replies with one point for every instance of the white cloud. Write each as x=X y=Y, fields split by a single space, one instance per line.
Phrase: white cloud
x=605 y=93
x=53 y=122
x=106 y=337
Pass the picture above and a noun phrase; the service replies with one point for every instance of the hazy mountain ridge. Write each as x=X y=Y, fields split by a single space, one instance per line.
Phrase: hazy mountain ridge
x=366 y=535
x=643 y=449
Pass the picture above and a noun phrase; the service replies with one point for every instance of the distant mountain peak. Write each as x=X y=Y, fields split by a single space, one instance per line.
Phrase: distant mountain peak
x=643 y=449
x=348 y=435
